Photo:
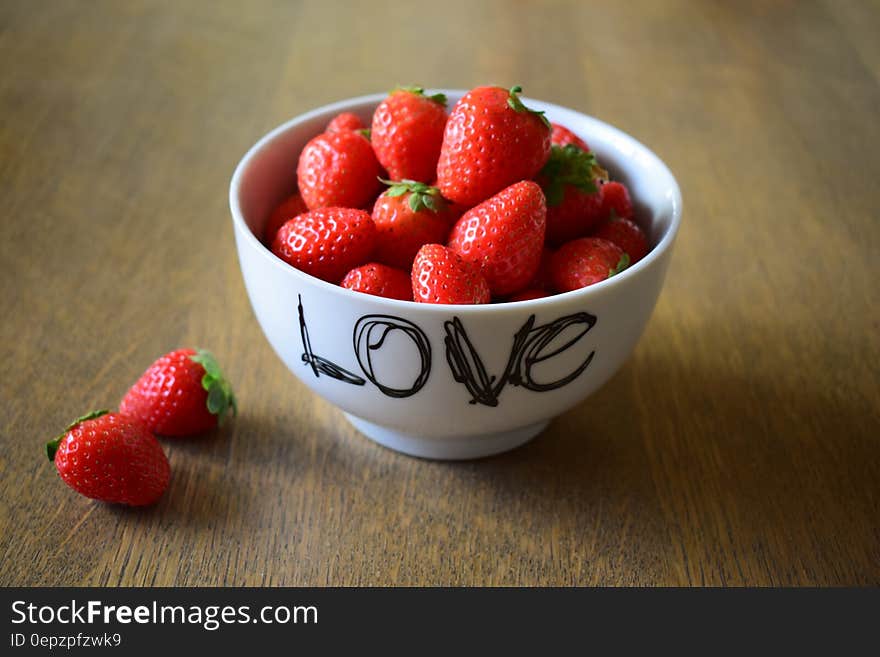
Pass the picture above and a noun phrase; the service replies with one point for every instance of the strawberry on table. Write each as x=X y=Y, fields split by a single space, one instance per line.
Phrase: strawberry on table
x=439 y=275
x=570 y=182
x=626 y=234
x=586 y=261
x=289 y=208
x=562 y=136
x=504 y=236
x=112 y=458
x=338 y=169
x=491 y=141
x=407 y=131
x=615 y=199
x=345 y=121
x=379 y=280
x=327 y=242
x=183 y=393
x=408 y=215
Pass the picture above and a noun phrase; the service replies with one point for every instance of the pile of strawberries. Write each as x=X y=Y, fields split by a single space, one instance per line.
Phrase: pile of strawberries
x=115 y=457
x=490 y=203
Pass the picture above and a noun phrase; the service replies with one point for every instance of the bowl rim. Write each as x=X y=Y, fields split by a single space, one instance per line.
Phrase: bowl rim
x=543 y=303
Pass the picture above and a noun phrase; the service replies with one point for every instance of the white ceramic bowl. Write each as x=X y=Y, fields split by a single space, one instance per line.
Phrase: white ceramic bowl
x=450 y=382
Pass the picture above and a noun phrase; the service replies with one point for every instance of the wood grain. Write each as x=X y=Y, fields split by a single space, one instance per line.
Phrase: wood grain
x=739 y=445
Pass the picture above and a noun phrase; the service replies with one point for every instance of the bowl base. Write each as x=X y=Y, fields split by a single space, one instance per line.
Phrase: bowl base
x=447 y=449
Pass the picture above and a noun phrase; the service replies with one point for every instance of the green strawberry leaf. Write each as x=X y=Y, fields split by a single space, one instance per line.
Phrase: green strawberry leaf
x=218 y=402
x=570 y=166
x=421 y=196
x=396 y=190
x=52 y=445
x=220 y=395
x=420 y=91
x=415 y=202
x=430 y=202
x=622 y=264
x=516 y=104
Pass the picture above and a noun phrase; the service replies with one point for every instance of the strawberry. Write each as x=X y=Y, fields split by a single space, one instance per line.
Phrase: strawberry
x=574 y=205
x=111 y=458
x=615 y=197
x=586 y=261
x=439 y=275
x=504 y=236
x=338 y=169
x=289 y=208
x=491 y=141
x=182 y=394
x=327 y=242
x=562 y=136
x=408 y=215
x=626 y=234
x=529 y=294
x=379 y=280
x=345 y=121
x=407 y=132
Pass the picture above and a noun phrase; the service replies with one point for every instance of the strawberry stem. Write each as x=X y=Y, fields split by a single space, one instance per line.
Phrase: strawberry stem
x=440 y=99
x=516 y=104
x=569 y=165
x=220 y=395
x=421 y=197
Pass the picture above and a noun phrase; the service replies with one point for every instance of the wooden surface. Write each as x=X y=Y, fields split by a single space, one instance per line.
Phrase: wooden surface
x=739 y=445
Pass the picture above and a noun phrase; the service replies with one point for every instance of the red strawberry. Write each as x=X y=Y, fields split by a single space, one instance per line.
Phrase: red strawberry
x=182 y=394
x=379 y=280
x=528 y=294
x=584 y=262
x=615 y=197
x=574 y=205
x=327 y=242
x=111 y=458
x=504 y=236
x=338 y=169
x=408 y=215
x=439 y=275
x=288 y=209
x=491 y=141
x=562 y=136
x=345 y=121
x=627 y=235
x=407 y=132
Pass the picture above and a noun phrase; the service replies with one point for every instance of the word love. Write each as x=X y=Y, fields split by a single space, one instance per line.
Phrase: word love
x=532 y=346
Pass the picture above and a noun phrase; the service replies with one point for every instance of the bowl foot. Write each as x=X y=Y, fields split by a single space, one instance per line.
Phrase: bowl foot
x=447 y=449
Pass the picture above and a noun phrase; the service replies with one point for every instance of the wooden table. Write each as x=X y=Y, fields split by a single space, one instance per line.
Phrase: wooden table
x=739 y=445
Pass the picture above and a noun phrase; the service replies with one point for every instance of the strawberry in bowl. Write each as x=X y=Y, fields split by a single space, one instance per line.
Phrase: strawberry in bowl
x=516 y=312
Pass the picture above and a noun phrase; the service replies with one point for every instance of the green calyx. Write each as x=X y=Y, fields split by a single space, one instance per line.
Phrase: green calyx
x=52 y=445
x=421 y=196
x=366 y=133
x=569 y=165
x=420 y=91
x=220 y=395
x=622 y=264
x=515 y=103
